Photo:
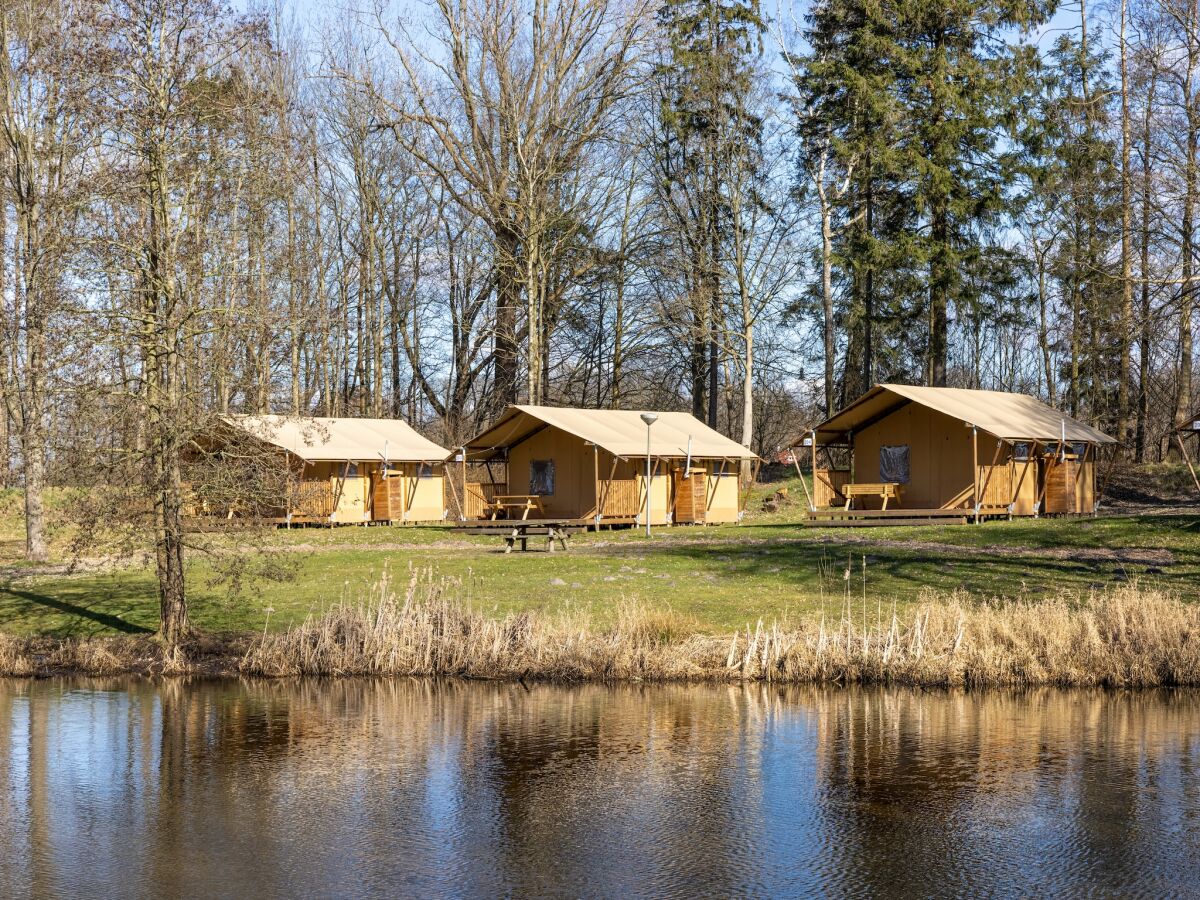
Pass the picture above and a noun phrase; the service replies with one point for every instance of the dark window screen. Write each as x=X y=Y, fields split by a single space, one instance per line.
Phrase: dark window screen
x=893 y=464
x=541 y=477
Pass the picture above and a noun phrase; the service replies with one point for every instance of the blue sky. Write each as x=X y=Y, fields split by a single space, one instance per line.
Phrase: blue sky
x=310 y=13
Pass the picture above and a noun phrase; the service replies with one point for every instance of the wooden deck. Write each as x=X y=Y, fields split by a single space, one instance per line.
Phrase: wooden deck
x=861 y=518
x=503 y=524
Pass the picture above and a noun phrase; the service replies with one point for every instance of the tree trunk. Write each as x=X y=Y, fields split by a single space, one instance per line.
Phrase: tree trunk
x=1183 y=395
x=1125 y=332
x=508 y=298
x=1143 y=410
x=828 y=335
x=1044 y=326
x=938 y=300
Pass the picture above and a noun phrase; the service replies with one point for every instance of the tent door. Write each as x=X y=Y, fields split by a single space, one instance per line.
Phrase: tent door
x=1060 y=475
x=691 y=495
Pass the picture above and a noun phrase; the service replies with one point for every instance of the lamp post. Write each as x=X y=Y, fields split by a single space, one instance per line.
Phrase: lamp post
x=649 y=418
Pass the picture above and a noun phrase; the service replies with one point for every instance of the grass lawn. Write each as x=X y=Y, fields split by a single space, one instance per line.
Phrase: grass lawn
x=719 y=578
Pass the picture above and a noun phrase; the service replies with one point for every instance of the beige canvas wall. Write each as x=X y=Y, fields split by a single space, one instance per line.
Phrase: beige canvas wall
x=574 y=472
x=940 y=455
x=423 y=497
x=940 y=459
x=722 y=493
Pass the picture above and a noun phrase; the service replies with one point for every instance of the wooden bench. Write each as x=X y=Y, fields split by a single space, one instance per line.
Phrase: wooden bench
x=526 y=503
x=886 y=490
x=522 y=532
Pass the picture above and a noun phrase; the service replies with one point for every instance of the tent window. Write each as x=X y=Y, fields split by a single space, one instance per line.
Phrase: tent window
x=424 y=470
x=1021 y=451
x=352 y=470
x=541 y=477
x=893 y=464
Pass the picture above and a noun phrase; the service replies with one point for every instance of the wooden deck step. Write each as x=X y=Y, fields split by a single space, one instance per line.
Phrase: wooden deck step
x=883 y=523
x=838 y=513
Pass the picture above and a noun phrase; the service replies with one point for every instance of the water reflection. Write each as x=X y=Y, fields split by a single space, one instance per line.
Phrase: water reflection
x=423 y=788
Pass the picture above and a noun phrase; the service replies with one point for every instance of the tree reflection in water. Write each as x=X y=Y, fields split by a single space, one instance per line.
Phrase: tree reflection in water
x=425 y=787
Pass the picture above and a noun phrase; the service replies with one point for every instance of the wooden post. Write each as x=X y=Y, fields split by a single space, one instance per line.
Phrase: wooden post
x=596 y=480
x=975 y=470
x=813 y=499
x=749 y=489
x=463 y=471
x=1108 y=470
x=607 y=488
x=804 y=484
x=337 y=495
x=462 y=516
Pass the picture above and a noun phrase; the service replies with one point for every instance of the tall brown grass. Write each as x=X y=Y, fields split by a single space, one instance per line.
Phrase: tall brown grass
x=41 y=656
x=1128 y=636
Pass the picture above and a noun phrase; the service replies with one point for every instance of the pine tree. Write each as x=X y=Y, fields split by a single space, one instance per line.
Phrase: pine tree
x=708 y=133
x=954 y=75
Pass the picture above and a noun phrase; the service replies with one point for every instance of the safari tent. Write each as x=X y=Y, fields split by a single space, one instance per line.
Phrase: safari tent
x=349 y=470
x=589 y=465
x=902 y=450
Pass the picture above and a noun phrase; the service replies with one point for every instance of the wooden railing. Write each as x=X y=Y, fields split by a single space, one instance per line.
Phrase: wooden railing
x=995 y=485
x=311 y=499
x=478 y=495
x=827 y=487
x=620 y=498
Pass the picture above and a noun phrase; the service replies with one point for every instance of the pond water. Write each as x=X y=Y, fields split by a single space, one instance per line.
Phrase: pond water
x=428 y=788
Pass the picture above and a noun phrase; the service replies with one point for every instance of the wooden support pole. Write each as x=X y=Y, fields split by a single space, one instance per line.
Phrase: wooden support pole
x=1108 y=470
x=596 y=481
x=1187 y=459
x=812 y=506
x=991 y=469
x=337 y=495
x=1030 y=460
x=607 y=489
x=814 y=470
x=454 y=493
x=975 y=471
x=1037 y=507
x=463 y=471
x=749 y=489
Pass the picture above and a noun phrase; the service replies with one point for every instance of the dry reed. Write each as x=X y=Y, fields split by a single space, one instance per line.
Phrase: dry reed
x=1128 y=636
x=42 y=656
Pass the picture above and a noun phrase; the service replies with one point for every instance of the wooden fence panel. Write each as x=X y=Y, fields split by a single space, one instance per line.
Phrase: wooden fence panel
x=478 y=495
x=620 y=498
x=827 y=487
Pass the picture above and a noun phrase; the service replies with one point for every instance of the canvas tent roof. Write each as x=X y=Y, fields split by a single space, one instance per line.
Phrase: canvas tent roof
x=619 y=431
x=1007 y=416
x=317 y=439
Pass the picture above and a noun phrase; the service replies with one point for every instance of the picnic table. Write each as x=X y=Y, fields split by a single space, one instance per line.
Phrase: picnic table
x=886 y=490
x=520 y=531
x=525 y=503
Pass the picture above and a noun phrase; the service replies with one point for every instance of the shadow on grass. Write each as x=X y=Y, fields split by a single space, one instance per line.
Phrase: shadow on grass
x=906 y=571
x=71 y=609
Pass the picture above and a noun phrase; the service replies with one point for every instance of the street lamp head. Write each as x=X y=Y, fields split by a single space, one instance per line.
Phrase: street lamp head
x=649 y=418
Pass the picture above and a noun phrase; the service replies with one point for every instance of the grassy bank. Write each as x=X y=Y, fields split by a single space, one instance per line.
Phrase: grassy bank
x=717 y=578
x=1127 y=636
